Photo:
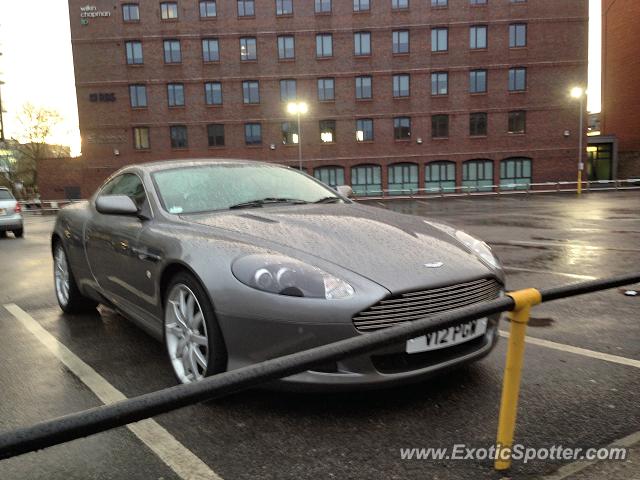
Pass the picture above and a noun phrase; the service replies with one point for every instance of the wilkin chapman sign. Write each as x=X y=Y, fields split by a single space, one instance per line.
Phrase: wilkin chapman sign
x=91 y=11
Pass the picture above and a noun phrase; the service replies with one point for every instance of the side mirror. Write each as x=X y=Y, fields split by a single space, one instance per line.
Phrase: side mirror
x=345 y=190
x=116 y=205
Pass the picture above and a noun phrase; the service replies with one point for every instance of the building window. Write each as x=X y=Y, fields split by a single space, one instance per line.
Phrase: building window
x=284 y=7
x=440 y=83
x=286 y=47
x=251 y=91
x=172 y=51
x=324 y=45
x=517 y=121
x=141 y=138
x=246 y=8
x=439 y=3
x=440 y=176
x=402 y=178
x=248 y=49
x=517 y=79
x=210 y=50
x=402 y=128
x=439 y=126
x=517 y=35
x=252 y=133
x=477 y=81
x=478 y=2
x=215 y=134
x=364 y=130
x=515 y=173
x=477 y=175
x=213 y=93
x=327 y=131
x=362 y=44
x=178 y=136
x=175 y=94
x=364 y=89
x=361 y=5
x=169 y=10
x=131 y=12
x=289 y=133
x=400 y=41
x=366 y=180
x=399 y=4
x=330 y=176
x=134 y=53
x=138 y=96
x=478 y=37
x=323 y=6
x=208 y=9
x=439 y=39
x=287 y=90
x=401 y=85
x=326 y=89
x=478 y=124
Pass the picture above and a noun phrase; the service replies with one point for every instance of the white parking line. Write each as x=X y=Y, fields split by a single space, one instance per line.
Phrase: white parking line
x=578 y=351
x=177 y=457
x=551 y=272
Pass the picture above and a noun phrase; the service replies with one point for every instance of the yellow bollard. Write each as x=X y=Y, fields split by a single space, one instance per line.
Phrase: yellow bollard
x=579 y=182
x=524 y=300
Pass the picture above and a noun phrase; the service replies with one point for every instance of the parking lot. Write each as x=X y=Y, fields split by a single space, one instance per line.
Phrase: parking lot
x=576 y=398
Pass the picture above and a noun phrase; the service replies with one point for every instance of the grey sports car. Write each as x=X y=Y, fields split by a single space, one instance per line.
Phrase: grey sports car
x=232 y=262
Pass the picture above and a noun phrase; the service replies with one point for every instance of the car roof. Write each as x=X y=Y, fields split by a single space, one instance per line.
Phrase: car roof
x=170 y=164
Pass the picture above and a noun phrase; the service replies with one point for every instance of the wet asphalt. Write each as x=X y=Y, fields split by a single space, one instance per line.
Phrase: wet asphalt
x=567 y=399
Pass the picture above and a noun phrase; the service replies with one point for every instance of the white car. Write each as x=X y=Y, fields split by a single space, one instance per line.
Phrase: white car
x=10 y=214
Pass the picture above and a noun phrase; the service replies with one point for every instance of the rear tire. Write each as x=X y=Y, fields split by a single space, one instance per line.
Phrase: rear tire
x=18 y=233
x=192 y=335
x=67 y=293
x=3 y=234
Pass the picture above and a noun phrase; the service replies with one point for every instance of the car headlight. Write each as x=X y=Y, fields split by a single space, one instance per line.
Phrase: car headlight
x=285 y=276
x=480 y=248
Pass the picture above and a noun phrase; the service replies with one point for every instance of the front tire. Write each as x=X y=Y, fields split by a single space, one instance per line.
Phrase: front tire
x=67 y=293
x=192 y=336
x=18 y=233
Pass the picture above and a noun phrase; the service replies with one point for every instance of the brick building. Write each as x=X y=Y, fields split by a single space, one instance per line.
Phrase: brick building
x=620 y=74
x=402 y=94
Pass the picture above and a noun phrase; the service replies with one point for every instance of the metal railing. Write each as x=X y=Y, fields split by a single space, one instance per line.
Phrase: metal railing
x=99 y=419
x=502 y=189
x=52 y=206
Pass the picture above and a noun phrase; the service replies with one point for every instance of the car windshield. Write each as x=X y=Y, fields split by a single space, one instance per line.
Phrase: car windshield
x=5 y=195
x=224 y=186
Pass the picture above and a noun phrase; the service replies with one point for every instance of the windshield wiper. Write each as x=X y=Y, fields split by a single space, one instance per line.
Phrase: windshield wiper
x=328 y=200
x=267 y=201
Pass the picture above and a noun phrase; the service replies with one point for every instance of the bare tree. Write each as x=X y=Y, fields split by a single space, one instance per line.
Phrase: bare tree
x=36 y=126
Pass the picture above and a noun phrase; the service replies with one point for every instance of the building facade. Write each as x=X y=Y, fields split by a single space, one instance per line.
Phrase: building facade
x=620 y=73
x=401 y=94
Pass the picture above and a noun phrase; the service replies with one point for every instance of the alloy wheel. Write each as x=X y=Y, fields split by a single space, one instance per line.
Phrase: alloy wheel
x=186 y=334
x=61 y=276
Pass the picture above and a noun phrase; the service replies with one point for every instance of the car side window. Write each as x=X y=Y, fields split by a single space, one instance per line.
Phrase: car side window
x=127 y=184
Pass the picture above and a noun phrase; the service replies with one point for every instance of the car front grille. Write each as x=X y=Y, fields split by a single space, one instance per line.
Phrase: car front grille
x=423 y=303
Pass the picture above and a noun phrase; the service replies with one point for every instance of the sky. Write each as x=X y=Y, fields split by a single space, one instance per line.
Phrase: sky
x=37 y=64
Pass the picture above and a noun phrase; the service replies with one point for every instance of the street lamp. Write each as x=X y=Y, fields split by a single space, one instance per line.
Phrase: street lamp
x=578 y=93
x=298 y=108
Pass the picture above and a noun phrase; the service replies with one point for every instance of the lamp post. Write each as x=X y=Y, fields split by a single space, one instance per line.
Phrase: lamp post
x=578 y=92
x=298 y=108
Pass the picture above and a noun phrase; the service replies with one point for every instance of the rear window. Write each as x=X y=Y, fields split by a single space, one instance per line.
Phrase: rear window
x=5 y=195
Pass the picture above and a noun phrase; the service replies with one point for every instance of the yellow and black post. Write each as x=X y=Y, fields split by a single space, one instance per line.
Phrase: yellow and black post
x=524 y=300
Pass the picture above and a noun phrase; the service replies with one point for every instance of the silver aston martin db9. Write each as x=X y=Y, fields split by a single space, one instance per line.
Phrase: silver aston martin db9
x=233 y=262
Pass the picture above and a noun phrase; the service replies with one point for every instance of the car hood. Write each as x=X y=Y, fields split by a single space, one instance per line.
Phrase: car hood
x=400 y=252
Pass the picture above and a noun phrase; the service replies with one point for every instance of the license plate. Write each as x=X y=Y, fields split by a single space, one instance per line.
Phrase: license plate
x=3 y=211
x=448 y=337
